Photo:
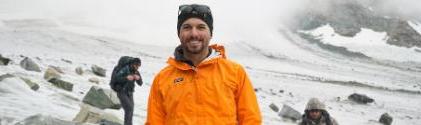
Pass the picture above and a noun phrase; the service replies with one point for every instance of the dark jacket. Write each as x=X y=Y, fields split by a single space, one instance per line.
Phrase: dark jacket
x=123 y=84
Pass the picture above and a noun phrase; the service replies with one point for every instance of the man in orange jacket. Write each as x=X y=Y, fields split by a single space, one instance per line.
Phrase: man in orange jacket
x=200 y=86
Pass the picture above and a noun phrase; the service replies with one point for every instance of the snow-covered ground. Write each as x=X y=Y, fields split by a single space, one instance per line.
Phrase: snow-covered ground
x=368 y=42
x=275 y=59
x=415 y=25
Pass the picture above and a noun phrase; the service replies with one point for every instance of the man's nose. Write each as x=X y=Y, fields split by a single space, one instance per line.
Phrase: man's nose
x=195 y=32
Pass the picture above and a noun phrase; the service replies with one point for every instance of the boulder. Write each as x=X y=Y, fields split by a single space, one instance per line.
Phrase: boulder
x=386 y=119
x=34 y=86
x=360 y=98
x=29 y=65
x=44 y=120
x=5 y=76
x=4 y=61
x=274 y=107
x=289 y=113
x=61 y=84
x=79 y=70
x=94 y=80
x=98 y=70
x=89 y=114
x=58 y=69
x=67 y=61
x=102 y=98
x=51 y=73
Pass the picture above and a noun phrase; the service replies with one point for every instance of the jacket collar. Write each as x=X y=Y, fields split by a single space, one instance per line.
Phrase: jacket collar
x=180 y=62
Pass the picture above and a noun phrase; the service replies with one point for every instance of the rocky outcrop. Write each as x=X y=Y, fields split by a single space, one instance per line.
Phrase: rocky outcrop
x=58 y=69
x=61 y=84
x=30 y=65
x=102 y=98
x=79 y=70
x=34 y=86
x=44 y=120
x=98 y=70
x=89 y=114
x=386 y=119
x=347 y=18
x=4 y=61
x=290 y=113
x=67 y=61
x=360 y=98
x=5 y=76
x=274 y=107
x=51 y=73
x=402 y=34
x=94 y=80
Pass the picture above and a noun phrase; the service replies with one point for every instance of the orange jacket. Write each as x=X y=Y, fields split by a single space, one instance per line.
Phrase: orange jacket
x=216 y=92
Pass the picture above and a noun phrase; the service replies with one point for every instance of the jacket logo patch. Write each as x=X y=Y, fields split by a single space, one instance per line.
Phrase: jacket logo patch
x=178 y=80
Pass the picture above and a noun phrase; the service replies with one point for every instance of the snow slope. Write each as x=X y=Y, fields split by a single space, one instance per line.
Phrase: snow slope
x=368 y=42
x=275 y=59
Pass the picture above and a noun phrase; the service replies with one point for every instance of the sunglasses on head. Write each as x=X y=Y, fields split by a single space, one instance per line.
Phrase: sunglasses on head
x=203 y=10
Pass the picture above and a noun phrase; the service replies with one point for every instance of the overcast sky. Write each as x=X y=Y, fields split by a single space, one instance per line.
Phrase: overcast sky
x=155 y=20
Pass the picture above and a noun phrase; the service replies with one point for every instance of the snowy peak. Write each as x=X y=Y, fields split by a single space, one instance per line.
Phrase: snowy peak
x=347 y=18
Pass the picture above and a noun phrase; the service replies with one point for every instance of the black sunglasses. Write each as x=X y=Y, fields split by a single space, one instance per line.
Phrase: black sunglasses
x=203 y=10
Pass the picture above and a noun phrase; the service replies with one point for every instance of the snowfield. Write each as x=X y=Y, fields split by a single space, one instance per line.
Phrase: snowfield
x=285 y=68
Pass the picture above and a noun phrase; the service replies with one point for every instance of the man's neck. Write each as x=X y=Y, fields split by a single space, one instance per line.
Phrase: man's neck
x=196 y=58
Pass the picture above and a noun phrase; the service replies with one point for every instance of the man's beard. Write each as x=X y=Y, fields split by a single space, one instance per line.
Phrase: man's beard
x=195 y=51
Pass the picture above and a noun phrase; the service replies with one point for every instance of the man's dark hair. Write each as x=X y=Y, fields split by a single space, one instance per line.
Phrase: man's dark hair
x=135 y=61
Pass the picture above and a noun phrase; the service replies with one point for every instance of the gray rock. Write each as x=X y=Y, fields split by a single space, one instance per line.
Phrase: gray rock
x=346 y=31
x=94 y=80
x=274 y=107
x=5 y=76
x=290 y=113
x=348 y=17
x=98 y=70
x=34 y=86
x=89 y=114
x=360 y=98
x=29 y=65
x=386 y=119
x=51 y=73
x=61 y=84
x=44 y=120
x=102 y=98
x=402 y=34
x=79 y=70
x=67 y=61
x=4 y=60
x=58 y=69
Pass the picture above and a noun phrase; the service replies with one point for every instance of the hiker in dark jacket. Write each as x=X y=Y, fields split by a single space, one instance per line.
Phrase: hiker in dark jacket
x=125 y=78
x=316 y=114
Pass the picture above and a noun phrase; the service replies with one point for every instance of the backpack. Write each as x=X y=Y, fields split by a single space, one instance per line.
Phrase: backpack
x=123 y=61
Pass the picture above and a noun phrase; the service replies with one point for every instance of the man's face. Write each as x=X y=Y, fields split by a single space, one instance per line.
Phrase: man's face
x=315 y=114
x=136 y=66
x=194 y=35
